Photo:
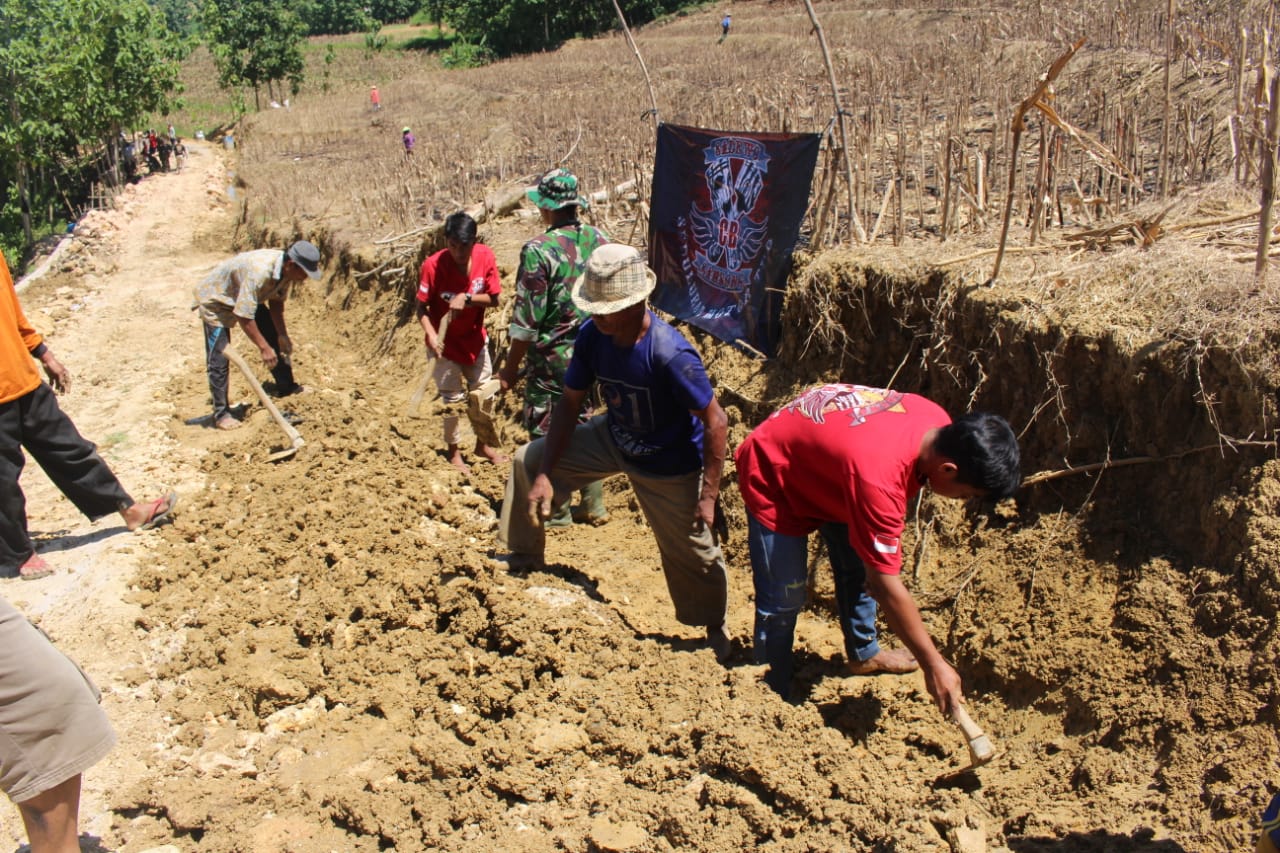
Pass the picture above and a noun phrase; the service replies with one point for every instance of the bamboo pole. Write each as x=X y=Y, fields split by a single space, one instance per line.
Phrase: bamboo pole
x=855 y=222
x=946 y=186
x=1018 y=125
x=1268 y=179
x=1166 y=160
x=653 y=100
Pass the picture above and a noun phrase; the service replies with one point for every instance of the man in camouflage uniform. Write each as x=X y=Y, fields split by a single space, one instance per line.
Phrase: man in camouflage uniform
x=544 y=320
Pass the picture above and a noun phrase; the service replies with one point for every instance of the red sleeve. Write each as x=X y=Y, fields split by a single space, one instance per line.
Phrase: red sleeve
x=492 y=281
x=878 y=513
x=426 y=278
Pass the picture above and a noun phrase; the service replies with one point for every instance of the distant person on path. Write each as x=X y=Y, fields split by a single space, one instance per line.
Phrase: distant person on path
x=663 y=429
x=249 y=291
x=129 y=160
x=545 y=320
x=180 y=154
x=724 y=26
x=406 y=136
x=31 y=419
x=173 y=135
x=846 y=461
x=461 y=279
x=375 y=100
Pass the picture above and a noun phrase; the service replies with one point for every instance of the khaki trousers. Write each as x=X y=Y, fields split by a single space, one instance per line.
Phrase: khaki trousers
x=450 y=377
x=691 y=559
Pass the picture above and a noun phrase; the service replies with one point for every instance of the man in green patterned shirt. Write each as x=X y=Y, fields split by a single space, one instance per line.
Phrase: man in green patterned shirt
x=544 y=320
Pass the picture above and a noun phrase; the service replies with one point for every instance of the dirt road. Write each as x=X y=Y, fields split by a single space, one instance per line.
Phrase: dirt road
x=115 y=310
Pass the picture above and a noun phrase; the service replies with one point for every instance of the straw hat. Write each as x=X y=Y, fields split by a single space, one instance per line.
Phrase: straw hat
x=617 y=277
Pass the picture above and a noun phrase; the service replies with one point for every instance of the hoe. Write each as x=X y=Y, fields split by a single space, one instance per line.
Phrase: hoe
x=294 y=438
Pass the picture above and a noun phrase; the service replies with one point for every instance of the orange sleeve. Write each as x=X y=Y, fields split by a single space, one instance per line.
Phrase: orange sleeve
x=18 y=374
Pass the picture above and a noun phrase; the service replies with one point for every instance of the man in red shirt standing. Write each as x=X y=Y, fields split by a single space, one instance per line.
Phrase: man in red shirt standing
x=846 y=460
x=461 y=279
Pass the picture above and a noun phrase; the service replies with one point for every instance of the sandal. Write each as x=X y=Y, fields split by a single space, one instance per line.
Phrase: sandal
x=158 y=511
x=35 y=568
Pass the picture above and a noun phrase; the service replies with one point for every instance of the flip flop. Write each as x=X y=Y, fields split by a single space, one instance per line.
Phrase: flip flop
x=156 y=515
x=35 y=568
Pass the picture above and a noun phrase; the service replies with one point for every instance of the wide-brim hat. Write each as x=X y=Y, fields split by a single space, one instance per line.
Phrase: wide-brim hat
x=556 y=189
x=617 y=277
x=306 y=256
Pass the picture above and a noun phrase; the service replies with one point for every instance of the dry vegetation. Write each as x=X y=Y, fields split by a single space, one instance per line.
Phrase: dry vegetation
x=929 y=92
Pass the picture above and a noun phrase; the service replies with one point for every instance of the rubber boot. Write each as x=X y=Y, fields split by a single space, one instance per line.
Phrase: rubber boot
x=561 y=516
x=772 y=638
x=591 y=510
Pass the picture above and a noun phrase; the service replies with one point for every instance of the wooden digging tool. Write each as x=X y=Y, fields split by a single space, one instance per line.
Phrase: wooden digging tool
x=480 y=405
x=295 y=439
x=415 y=402
x=980 y=748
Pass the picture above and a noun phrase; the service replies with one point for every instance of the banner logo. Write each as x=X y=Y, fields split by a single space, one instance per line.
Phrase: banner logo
x=727 y=208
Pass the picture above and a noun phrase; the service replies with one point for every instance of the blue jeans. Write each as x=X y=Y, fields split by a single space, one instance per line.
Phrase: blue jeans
x=780 y=571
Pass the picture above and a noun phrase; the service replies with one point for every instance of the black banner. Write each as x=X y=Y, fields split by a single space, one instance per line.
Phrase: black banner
x=727 y=208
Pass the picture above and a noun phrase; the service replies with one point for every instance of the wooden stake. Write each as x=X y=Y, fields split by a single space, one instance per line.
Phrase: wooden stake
x=1268 y=181
x=854 y=221
x=653 y=100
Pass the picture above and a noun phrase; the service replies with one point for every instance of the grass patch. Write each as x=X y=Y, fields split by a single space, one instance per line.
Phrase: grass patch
x=115 y=440
x=432 y=40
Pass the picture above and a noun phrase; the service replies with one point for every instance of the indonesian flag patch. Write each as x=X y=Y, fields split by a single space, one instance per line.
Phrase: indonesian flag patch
x=885 y=544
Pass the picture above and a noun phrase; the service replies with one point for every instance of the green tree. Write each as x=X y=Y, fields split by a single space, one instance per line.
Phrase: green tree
x=75 y=72
x=179 y=15
x=389 y=11
x=324 y=17
x=524 y=26
x=254 y=43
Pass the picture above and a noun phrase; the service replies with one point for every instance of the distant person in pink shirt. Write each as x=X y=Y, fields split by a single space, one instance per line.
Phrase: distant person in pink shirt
x=846 y=461
x=375 y=100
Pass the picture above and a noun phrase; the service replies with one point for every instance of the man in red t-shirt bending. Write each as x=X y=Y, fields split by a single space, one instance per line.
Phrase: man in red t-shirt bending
x=845 y=460
x=461 y=278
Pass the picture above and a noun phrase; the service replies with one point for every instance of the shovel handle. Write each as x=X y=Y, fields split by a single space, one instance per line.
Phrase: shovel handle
x=238 y=360
x=981 y=749
x=415 y=402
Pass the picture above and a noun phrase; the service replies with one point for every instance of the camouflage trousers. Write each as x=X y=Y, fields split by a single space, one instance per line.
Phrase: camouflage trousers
x=541 y=393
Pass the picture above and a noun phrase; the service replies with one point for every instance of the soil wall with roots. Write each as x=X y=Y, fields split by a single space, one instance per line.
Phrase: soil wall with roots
x=357 y=673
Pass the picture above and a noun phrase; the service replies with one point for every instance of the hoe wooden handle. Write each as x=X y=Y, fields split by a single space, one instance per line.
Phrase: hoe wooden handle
x=238 y=360
x=415 y=402
x=981 y=749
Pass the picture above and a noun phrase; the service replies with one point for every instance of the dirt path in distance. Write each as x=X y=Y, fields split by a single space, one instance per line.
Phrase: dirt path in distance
x=116 y=312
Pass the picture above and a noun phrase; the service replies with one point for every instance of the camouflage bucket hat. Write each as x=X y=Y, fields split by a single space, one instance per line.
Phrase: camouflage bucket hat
x=557 y=188
x=617 y=277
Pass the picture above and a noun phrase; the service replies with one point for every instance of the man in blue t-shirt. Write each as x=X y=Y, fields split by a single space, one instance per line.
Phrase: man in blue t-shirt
x=663 y=428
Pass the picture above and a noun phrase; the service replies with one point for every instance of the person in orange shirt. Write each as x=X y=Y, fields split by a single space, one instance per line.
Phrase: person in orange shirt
x=32 y=420
x=52 y=728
